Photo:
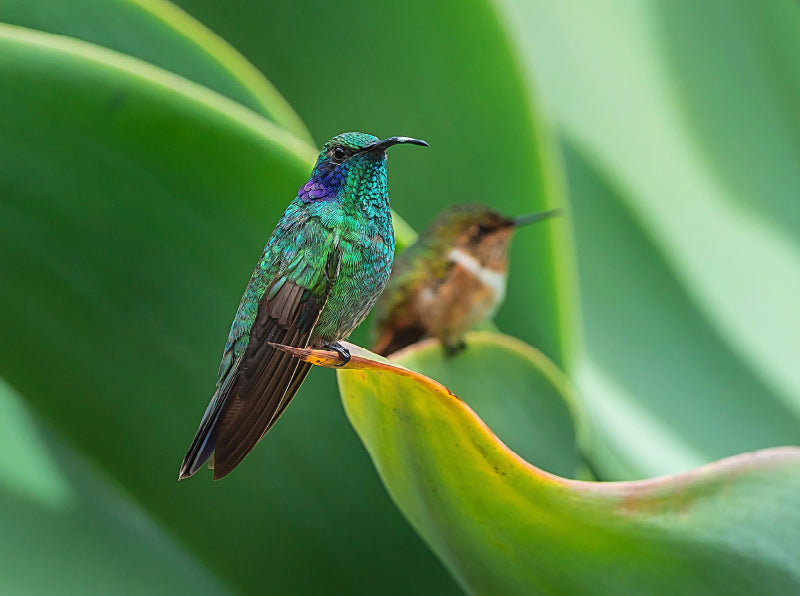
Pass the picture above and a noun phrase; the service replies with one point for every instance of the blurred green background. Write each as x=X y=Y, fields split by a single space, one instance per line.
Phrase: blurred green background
x=143 y=162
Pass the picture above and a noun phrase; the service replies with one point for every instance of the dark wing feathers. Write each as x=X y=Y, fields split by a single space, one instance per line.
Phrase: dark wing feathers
x=204 y=439
x=262 y=382
x=267 y=379
x=299 y=376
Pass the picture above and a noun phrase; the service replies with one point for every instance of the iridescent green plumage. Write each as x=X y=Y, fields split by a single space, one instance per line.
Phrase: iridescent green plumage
x=323 y=267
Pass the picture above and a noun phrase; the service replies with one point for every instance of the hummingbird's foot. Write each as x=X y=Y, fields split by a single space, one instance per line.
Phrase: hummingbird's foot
x=343 y=352
x=451 y=350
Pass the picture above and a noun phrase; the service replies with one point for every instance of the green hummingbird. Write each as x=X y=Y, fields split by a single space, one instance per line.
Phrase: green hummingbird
x=452 y=279
x=322 y=270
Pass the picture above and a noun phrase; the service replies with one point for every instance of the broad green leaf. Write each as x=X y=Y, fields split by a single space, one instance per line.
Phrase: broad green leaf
x=67 y=530
x=133 y=206
x=683 y=137
x=159 y=33
x=441 y=72
x=162 y=34
x=504 y=526
x=665 y=391
x=515 y=389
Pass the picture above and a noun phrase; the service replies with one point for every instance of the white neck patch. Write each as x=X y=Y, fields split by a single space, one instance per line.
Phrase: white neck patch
x=490 y=278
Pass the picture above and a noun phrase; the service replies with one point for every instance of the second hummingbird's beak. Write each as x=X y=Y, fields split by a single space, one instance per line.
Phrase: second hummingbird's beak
x=381 y=146
x=524 y=220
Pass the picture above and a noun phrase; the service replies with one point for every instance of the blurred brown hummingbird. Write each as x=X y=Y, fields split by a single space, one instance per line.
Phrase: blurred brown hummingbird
x=452 y=279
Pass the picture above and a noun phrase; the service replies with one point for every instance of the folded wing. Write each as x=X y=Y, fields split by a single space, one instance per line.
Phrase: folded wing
x=262 y=382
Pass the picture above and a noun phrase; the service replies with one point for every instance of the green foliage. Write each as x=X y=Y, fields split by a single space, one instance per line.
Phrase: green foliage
x=68 y=530
x=682 y=162
x=513 y=388
x=503 y=526
x=159 y=33
x=143 y=162
x=114 y=253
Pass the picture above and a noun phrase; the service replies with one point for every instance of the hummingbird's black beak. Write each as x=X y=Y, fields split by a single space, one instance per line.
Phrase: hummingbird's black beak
x=381 y=146
x=524 y=220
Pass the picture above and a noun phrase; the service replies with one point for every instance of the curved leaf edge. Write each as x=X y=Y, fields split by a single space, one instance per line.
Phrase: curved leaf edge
x=499 y=522
x=364 y=360
x=539 y=361
x=167 y=82
x=244 y=118
x=218 y=50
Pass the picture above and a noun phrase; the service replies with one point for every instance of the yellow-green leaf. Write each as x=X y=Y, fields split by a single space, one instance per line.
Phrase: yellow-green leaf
x=516 y=390
x=504 y=526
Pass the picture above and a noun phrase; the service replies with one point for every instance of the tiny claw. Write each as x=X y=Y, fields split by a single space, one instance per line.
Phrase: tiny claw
x=451 y=350
x=343 y=352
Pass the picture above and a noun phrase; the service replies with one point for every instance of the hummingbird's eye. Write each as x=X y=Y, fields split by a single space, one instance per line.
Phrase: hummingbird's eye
x=483 y=230
x=338 y=154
